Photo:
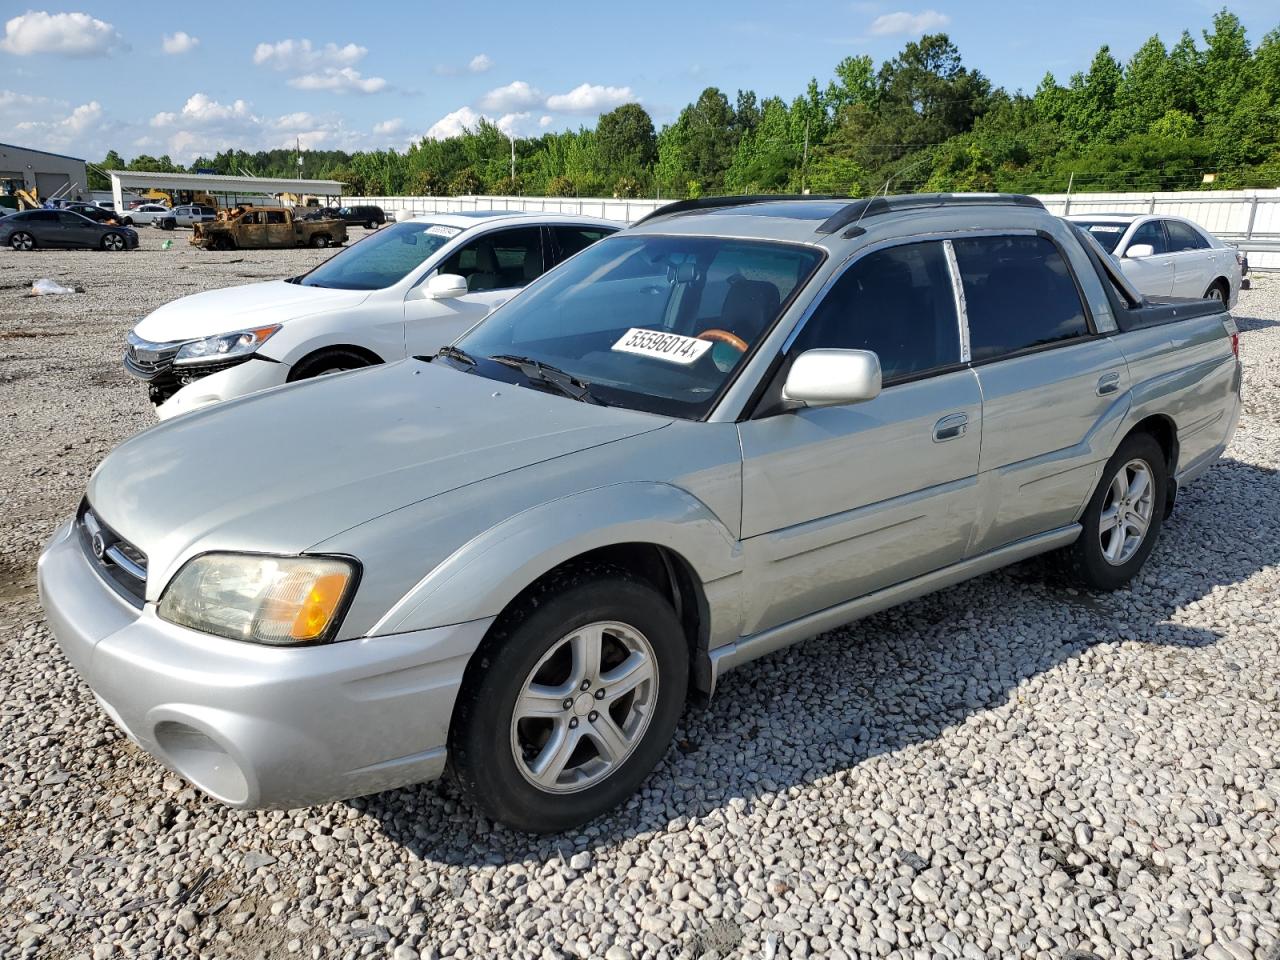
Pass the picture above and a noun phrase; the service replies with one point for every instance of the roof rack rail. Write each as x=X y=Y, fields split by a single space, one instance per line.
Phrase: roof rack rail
x=713 y=203
x=860 y=210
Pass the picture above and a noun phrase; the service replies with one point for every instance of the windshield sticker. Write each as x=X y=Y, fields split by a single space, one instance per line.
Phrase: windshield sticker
x=662 y=346
x=440 y=230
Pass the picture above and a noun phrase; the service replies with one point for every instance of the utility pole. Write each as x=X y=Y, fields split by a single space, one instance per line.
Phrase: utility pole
x=512 y=138
x=1070 y=181
x=804 y=164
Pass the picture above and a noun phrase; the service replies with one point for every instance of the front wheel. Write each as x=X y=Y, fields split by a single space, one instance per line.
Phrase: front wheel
x=334 y=360
x=570 y=702
x=319 y=241
x=22 y=241
x=1123 y=517
x=113 y=242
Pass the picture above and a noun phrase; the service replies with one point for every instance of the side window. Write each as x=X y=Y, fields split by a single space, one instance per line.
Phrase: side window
x=274 y=216
x=572 y=239
x=49 y=216
x=1151 y=232
x=1018 y=294
x=69 y=220
x=897 y=302
x=1183 y=237
x=499 y=260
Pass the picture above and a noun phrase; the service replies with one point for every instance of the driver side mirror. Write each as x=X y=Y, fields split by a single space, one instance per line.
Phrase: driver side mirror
x=1139 y=250
x=446 y=286
x=828 y=378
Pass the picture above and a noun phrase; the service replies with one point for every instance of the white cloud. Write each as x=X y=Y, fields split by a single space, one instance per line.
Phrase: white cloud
x=300 y=55
x=180 y=42
x=339 y=80
x=388 y=127
x=544 y=120
x=513 y=96
x=479 y=63
x=12 y=101
x=69 y=34
x=61 y=132
x=589 y=98
x=454 y=124
x=888 y=24
x=202 y=110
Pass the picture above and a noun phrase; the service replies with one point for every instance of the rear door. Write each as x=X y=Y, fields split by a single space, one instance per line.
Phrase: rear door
x=46 y=227
x=278 y=230
x=1047 y=381
x=252 y=231
x=495 y=265
x=1153 y=275
x=840 y=501
x=1194 y=263
x=568 y=239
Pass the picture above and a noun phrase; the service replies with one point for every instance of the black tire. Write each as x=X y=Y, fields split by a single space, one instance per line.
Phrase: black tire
x=114 y=241
x=127 y=222
x=334 y=360
x=168 y=224
x=319 y=241
x=1218 y=290
x=481 y=753
x=371 y=225
x=1085 y=559
x=22 y=241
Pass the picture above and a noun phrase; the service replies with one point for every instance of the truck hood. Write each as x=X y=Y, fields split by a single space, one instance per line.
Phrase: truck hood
x=235 y=308
x=282 y=470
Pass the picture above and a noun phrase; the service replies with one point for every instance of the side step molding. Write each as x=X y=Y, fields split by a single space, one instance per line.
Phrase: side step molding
x=746 y=649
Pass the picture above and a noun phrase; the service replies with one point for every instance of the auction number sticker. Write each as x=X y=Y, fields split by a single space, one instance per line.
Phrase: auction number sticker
x=440 y=230
x=662 y=346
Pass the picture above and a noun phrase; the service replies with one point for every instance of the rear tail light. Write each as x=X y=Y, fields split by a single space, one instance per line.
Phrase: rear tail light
x=1229 y=324
x=1240 y=258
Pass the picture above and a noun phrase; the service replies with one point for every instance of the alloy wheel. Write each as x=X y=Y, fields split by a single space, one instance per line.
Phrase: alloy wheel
x=584 y=707
x=113 y=241
x=22 y=241
x=1126 y=512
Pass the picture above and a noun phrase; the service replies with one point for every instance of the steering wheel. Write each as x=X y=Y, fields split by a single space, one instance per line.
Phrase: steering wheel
x=716 y=335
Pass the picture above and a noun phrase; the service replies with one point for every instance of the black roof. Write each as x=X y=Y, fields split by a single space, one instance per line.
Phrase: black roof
x=836 y=213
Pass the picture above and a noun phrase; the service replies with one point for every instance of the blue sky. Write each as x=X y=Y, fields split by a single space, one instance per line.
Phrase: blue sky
x=183 y=79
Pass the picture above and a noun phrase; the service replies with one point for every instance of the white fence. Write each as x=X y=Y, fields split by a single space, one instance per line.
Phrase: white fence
x=1249 y=219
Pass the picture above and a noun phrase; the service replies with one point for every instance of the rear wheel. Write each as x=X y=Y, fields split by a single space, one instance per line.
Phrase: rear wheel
x=114 y=242
x=1123 y=517
x=570 y=702
x=1217 y=291
x=319 y=241
x=371 y=225
x=22 y=241
x=325 y=362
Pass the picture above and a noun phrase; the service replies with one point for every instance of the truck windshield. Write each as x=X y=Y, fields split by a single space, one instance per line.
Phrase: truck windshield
x=654 y=323
x=1107 y=234
x=383 y=259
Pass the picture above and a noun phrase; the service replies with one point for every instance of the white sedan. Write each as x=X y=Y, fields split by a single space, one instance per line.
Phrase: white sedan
x=408 y=289
x=148 y=212
x=1166 y=256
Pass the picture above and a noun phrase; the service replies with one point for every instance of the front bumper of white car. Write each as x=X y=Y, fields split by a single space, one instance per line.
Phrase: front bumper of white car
x=181 y=388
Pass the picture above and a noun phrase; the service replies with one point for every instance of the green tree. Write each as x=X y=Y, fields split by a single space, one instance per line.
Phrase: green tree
x=626 y=141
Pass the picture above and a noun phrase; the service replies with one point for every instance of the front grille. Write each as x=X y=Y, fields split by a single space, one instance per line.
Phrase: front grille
x=153 y=364
x=122 y=565
x=146 y=360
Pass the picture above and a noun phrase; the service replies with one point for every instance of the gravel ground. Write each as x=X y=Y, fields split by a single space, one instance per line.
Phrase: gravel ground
x=1009 y=768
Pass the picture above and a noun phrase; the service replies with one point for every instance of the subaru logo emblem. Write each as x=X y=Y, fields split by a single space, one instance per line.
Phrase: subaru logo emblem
x=99 y=546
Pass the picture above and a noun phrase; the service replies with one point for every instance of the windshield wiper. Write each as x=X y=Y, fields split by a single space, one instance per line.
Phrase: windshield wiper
x=451 y=352
x=562 y=381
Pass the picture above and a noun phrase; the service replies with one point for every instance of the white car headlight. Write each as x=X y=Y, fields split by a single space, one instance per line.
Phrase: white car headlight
x=261 y=599
x=224 y=346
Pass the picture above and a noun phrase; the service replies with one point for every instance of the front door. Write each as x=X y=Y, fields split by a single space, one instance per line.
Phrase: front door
x=1153 y=275
x=1047 y=383
x=495 y=265
x=841 y=501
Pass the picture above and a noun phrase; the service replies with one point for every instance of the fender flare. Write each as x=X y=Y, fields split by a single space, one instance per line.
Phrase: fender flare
x=485 y=574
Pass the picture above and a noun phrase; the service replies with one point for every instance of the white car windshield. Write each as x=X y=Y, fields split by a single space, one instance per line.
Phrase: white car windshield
x=655 y=323
x=383 y=259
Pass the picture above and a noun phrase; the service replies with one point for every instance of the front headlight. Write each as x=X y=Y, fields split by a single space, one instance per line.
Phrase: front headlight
x=224 y=346
x=262 y=599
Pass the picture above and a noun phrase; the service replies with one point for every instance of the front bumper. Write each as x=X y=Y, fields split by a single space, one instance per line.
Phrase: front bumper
x=176 y=389
x=257 y=726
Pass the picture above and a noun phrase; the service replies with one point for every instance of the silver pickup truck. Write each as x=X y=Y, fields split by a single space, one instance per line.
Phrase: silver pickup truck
x=738 y=424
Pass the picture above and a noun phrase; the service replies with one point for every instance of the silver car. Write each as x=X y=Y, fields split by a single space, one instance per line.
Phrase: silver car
x=733 y=426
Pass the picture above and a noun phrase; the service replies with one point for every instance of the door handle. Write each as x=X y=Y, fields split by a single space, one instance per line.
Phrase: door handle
x=948 y=428
x=1108 y=383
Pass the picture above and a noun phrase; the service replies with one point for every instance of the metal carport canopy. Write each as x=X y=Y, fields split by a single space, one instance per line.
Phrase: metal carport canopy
x=213 y=183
